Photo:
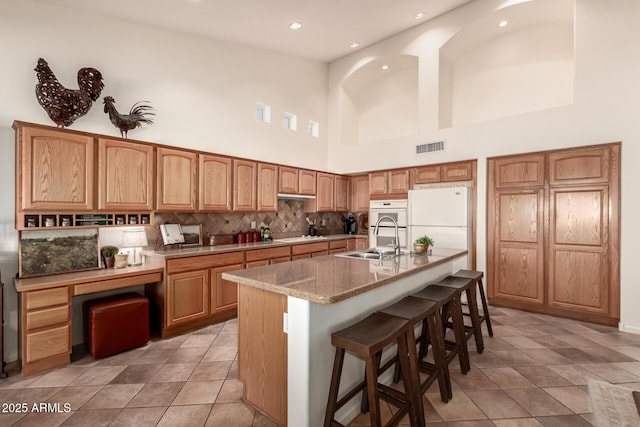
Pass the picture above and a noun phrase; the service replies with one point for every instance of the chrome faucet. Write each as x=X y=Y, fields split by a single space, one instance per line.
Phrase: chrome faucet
x=396 y=244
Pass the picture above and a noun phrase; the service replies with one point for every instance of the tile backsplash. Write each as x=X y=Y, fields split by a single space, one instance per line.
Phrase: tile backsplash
x=288 y=221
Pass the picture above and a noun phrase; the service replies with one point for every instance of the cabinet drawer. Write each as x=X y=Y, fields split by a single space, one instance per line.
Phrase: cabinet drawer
x=47 y=317
x=203 y=262
x=309 y=248
x=48 y=343
x=260 y=254
x=46 y=298
x=337 y=244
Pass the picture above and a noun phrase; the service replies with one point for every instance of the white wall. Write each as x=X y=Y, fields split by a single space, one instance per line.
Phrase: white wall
x=204 y=93
x=606 y=108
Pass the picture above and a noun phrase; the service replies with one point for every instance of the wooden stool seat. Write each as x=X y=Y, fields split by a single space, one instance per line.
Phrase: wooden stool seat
x=425 y=312
x=367 y=339
x=468 y=286
x=449 y=300
x=477 y=276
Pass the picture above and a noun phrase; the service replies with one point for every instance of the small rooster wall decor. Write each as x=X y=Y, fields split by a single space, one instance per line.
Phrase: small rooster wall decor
x=64 y=105
x=125 y=122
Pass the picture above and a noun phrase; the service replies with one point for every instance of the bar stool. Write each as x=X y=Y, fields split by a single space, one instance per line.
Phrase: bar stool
x=476 y=276
x=449 y=300
x=468 y=286
x=367 y=339
x=427 y=313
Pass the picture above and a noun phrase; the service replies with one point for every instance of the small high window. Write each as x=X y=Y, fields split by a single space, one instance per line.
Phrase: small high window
x=313 y=128
x=263 y=112
x=290 y=121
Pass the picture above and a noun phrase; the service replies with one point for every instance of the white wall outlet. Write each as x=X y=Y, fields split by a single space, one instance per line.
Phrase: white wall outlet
x=285 y=322
x=253 y=225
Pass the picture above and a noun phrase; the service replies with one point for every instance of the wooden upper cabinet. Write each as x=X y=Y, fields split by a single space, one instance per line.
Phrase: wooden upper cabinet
x=56 y=169
x=324 y=196
x=267 y=187
x=177 y=175
x=288 y=181
x=125 y=175
x=462 y=171
x=215 y=183
x=244 y=185
x=519 y=171
x=394 y=182
x=307 y=182
x=579 y=166
x=341 y=193
x=359 y=193
x=426 y=174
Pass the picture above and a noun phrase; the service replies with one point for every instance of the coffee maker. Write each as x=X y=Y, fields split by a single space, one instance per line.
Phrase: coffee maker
x=350 y=224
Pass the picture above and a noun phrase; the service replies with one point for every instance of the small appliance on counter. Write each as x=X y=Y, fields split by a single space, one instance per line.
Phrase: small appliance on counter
x=171 y=234
x=350 y=225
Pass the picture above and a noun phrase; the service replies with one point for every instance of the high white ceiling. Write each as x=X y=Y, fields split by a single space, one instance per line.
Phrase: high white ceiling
x=329 y=26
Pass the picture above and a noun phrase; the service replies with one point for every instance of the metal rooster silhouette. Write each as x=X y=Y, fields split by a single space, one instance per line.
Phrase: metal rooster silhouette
x=125 y=122
x=64 y=105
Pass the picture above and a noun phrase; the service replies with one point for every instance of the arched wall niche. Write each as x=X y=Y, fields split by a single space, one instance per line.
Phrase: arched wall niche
x=489 y=72
x=379 y=103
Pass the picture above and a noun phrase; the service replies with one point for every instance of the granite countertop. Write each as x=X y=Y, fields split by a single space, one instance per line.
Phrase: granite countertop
x=334 y=278
x=211 y=250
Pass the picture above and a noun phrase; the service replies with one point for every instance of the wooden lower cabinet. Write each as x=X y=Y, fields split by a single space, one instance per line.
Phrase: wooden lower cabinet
x=361 y=243
x=337 y=246
x=553 y=239
x=224 y=293
x=263 y=368
x=187 y=297
x=45 y=329
x=309 y=250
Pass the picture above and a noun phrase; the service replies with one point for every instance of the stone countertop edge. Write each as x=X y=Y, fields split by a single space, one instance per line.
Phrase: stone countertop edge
x=247 y=277
x=219 y=249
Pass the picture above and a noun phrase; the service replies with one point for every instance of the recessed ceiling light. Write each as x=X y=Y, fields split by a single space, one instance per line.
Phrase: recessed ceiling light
x=385 y=67
x=295 y=25
x=419 y=15
x=503 y=24
x=354 y=45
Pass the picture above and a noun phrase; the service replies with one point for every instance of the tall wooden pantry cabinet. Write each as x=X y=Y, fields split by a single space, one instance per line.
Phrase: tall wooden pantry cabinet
x=553 y=232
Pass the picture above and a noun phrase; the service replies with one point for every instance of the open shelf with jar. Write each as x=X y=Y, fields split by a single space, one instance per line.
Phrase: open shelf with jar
x=73 y=220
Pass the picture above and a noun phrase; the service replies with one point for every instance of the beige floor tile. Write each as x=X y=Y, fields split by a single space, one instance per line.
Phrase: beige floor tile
x=260 y=420
x=233 y=371
x=574 y=398
x=92 y=418
x=507 y=378
x=230 y=414
x=185 y=416
x=139 y=417
x=154 y=357
x=203 y=340
x=75 y=396
x=156 y=395
x=59 y=377
x=188 y=355
x=16 y=380
x=33 y=395
x=632 y=367
x=11 y=418
x=98 y=375
x=177 y=372
x=546 y=356
x=113 y=396
x=575 y=374
x=518 y=422
x=537 y=402
x=611 y=373
x=515 y=358
x=136 y=374
x=614 y=338
x=484 y=360
x=171 y=342
x=198 y=392
x=475 y=379
x=125 y=358
x=628 y=350
x=226 y=340
x=496 y=404
x=44 y=419
x=210 y=371
x=464 y=408
x=542 y=376
x=220 y=354
x=523 y=343
x=231 y=391
x=209 y=330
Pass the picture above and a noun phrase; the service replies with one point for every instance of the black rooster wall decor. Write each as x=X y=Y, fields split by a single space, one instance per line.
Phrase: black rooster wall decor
x=64 y=105
x=125 y=122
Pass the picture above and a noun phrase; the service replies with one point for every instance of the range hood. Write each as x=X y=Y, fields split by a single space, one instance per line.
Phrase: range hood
x=285 y=196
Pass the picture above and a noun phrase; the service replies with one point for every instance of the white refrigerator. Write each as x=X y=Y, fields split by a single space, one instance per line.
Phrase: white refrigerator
x=444 y=214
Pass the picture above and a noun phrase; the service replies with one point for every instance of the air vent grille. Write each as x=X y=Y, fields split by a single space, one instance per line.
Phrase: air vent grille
x=430 y=147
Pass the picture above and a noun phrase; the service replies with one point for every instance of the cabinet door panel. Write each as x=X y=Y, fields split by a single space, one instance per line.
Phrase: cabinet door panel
x=125 y=175
x=187 y=296
x=341 y=193
x=48 y=343
x=581 y=166
x=399 y=181
x=215 y=183
x=457 y=171
x=288 y=181
x=426 y=174
x=56 y=170
x=324 y=196
x=244 y=184
x=520 y=171
x=578 y=262
x=224 y=293
x=267 y=187
x=307 y=183
x=360 y=193
x=378 y=183
x=176 y=180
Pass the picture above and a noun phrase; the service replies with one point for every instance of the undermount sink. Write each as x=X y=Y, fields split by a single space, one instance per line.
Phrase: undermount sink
x=372 y=253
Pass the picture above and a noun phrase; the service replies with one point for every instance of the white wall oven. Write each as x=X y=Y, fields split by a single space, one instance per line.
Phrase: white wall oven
x=396 y=209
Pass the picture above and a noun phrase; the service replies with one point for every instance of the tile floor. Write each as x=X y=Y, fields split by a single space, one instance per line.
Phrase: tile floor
x=533 y=372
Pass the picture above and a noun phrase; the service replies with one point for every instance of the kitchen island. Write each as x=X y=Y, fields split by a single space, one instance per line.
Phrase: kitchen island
x=287 y=312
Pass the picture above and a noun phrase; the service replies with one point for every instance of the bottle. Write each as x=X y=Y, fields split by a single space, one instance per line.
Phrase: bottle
x=267 y=233
x=261 y=233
